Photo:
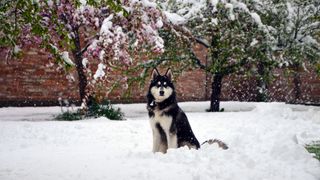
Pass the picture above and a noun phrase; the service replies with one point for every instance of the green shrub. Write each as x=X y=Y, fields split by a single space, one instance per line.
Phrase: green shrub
x=104 y=109
x=315 y=149
x=69 y=116
x=94 y=110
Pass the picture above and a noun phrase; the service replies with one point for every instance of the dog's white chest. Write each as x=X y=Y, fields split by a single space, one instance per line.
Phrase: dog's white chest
x=163 y=120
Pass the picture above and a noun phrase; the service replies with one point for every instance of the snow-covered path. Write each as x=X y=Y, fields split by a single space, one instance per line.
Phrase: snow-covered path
x=265 y=143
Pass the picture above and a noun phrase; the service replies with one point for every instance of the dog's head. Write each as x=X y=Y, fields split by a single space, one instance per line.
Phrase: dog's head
x=161 y=87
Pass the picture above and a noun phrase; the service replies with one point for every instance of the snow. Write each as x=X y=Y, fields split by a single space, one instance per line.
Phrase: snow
x=242 y=6
x=145 y=3
x=50 y=3
x=85 y=62
x=106 y=25
x=16 y=49
x=230 y=7
x=266 y=141
x=100 y=71
x=175 y=18
x=214 y=2
x=256 y=18
x=96 y=22
x=101 y=55
x=159 y=23
x=183 y=11
x=254 y=42
x=65 y=57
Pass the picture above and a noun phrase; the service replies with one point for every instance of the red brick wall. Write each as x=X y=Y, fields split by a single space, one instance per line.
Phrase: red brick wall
x=243 y=88
x=283 y=87
x=32 y=80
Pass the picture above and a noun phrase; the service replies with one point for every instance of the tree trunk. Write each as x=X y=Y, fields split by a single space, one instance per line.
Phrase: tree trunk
x=215 y=94
x=77 y=54
x=261 y=83
x=297 y=85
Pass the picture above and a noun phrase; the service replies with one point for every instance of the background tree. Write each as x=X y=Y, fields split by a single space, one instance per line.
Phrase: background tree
x=261 y=35
x=107 y=33
x=296 y=38
x=264 y=47
x=293 y=26
x=230 y=31
x=177 y=54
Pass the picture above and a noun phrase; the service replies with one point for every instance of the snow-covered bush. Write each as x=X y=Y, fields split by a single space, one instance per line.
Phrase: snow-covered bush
x=104 y=108
x=95 y=109
x=314 y=149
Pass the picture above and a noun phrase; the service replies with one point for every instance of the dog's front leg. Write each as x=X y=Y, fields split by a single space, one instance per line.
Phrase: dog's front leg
x=172 y=140
x=156 y=140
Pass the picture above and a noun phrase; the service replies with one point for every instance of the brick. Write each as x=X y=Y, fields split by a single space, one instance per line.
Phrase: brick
x=31 y=79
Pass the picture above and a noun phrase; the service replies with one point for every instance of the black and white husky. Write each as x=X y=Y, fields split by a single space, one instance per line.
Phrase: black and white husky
x=170 y=125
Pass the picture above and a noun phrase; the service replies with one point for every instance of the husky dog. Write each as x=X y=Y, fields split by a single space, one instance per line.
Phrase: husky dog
x=170 y=125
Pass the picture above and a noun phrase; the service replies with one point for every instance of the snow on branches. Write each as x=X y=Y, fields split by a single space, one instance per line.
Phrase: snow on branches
x=107 y=34
x=121 y=35
x=92 y=29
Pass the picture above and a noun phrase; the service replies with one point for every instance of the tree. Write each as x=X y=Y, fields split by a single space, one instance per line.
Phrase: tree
x=254 y=36
x=264 y=47
x=106 y=32
x=293 y=26
x=295 y=34
x=229 y=29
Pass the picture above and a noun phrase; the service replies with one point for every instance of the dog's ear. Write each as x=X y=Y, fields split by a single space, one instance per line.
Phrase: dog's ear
x=155 y=73
x=169 y=74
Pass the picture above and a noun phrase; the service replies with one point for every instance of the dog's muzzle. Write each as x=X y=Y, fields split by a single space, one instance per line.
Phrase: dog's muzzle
x=161 y=93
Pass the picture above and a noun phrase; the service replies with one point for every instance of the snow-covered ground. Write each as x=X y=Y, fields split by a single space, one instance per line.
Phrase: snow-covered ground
x=266 y=142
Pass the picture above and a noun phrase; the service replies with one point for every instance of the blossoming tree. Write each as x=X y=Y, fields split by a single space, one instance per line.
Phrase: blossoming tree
x=107 y=33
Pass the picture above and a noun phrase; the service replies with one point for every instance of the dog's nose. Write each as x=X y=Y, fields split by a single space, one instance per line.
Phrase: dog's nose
x=161 y=93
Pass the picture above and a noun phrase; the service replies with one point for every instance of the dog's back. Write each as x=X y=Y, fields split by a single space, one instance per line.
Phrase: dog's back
x=181 y=126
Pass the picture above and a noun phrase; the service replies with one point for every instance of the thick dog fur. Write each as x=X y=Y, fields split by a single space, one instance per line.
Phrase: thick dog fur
x=170 y=126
